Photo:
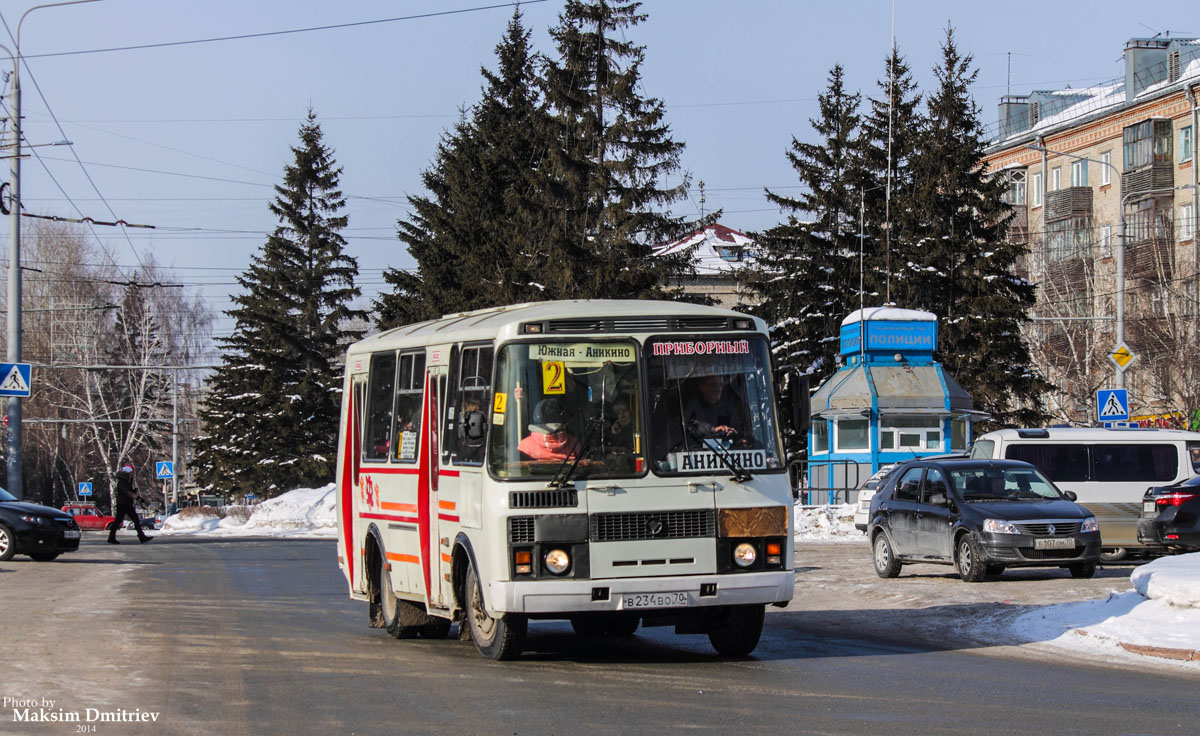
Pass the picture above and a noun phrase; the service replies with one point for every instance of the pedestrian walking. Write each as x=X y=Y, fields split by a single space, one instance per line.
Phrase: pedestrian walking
x=127 y=494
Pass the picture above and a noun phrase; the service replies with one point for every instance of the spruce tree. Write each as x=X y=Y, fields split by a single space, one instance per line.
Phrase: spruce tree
x=807 y=273
x=271 y=416
x=477 y=235
x=960 y=266
x=610 y=163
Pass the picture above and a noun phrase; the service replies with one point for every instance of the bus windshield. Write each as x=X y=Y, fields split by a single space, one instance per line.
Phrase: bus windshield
x=561 y=402
x=711 y=405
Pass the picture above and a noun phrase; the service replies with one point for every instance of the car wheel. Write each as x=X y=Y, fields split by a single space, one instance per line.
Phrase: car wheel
x=970 y=568
x=993 y=570
x=44 y=556
x=8 y=544
x=735 y=633
x=1082 y=569
x=496 y=638
x=886 y=564
x=1114 y=554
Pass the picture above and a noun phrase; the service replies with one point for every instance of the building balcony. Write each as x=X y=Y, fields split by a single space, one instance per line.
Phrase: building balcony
x=1070 y=202
x=1067 y=275
x=1155 y=177
x=1150 y=258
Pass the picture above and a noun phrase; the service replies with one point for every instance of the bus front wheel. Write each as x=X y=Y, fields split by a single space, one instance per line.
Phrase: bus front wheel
x=735 y=631
x=389 y=606
x=495 y=638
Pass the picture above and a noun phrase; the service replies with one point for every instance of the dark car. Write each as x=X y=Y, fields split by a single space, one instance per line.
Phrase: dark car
x=41 y=532
x=1171 y=517
x=980 y=516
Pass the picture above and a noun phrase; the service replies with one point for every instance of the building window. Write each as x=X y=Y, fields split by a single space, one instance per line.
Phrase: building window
x=852 y=434
x=1187 y=223
x=910 y=433
x=1147 y=142
x=820 y=430
x=1056 y=178
x=1016 y=187
x=1069 y=238
x=1079 y=174
x=1106 y=170
x=1106 y=241
x=1037 y=189
x=1185 y=144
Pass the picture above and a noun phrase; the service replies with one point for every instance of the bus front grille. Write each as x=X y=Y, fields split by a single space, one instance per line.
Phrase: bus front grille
x=653 y=525
x=562 y=498
x=520 y=530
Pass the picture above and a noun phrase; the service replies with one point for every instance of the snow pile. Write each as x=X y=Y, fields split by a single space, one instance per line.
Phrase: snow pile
x=304 y=512
x=827 y=524
x=1162 y=611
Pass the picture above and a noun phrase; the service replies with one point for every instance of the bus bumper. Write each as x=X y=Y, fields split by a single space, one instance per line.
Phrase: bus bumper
x=621 y=594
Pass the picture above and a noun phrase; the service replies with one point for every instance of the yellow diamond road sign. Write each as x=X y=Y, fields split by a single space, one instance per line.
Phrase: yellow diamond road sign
x=1122 y=356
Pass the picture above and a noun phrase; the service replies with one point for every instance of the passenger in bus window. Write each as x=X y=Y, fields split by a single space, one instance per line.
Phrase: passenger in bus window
x=620 y=432
x=472 y=429
x=548 y=437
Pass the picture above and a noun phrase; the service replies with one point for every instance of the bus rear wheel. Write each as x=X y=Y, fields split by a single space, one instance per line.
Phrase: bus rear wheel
x=495 y=638
x=735 y=632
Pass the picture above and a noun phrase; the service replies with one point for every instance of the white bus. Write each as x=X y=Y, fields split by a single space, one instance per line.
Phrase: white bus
x=1108 y=469
x=612 y=463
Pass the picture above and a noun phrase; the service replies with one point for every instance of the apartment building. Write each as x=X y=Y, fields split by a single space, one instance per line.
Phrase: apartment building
x=1090 y=170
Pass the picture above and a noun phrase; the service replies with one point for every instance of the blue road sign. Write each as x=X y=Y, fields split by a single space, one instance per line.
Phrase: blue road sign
x=15 y=379
x=164 y=470
x=1112 y=405
x=85 y=489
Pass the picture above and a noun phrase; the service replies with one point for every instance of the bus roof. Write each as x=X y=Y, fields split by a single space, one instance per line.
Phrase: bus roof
x=568 y=317
x=1091 y=434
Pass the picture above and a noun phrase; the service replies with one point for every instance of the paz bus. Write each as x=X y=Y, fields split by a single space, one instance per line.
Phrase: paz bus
x=610 y=463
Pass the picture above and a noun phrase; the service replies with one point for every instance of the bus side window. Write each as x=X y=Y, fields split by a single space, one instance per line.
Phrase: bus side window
x=469 y=405
x=380 y=392
x=410 y=390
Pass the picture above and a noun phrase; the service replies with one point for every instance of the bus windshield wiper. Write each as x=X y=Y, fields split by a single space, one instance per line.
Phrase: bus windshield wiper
x=563 y=476
x=740 y=474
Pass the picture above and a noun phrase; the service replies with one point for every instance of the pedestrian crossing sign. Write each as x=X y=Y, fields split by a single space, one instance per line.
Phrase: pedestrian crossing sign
x=164 y=470
x=14 y=379
x=1112 y=404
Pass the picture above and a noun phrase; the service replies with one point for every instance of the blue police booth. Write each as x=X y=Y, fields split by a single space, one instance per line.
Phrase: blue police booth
x=889 y=401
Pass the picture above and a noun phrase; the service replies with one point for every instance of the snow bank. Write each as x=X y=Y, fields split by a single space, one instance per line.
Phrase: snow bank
x=1173 y=580
x=304 y=512
x=827 y=524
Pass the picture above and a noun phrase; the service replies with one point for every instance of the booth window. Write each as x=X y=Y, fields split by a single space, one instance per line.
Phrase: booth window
x=910 y=433
x=853 y=434
x=820 y=436
x=958 y=434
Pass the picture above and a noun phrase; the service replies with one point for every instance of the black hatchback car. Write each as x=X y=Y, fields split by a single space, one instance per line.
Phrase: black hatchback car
x=41 y=532
x=981 y=516
x=1171 y=517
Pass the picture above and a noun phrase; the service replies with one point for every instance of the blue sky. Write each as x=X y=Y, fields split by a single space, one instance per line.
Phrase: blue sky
x=192 y=137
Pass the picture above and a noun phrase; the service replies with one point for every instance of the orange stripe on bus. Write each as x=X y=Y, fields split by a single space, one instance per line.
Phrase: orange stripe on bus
x=447 y=505
x=446 y=558
x=403 y=558
x=391 y=506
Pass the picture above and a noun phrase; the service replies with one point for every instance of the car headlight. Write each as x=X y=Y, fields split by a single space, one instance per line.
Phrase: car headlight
x=999 y=526
x=557 y=561
x=1089 y=525
x=745 y=554
x=37 y=520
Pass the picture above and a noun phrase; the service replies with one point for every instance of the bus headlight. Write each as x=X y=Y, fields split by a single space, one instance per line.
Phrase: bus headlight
x=557 y=561
x=745 y=554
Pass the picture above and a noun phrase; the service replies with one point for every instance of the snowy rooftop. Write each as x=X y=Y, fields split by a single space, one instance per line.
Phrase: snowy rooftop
x=717 y=249
x=889 y=314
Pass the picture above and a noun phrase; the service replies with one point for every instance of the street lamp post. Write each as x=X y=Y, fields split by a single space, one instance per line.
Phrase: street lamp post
x=14 y=258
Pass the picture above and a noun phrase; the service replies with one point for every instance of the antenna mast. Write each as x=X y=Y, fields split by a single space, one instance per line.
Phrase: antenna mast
x=887 y=199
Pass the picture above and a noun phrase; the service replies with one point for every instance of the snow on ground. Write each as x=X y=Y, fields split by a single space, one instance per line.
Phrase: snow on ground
x=304 y=512
x=1161 y=610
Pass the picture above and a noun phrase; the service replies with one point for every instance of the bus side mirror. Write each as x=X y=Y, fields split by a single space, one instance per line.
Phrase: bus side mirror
x=796 y=401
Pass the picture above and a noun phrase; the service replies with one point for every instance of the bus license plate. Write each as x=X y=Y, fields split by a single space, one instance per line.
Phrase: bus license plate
x=653 y=600
x=1148 y=507
x=1054 y=543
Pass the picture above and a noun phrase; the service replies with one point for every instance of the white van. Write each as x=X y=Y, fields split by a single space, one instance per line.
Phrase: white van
x=1108 y=469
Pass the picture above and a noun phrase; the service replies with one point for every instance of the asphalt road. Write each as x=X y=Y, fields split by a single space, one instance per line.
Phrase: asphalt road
x=259 y=637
